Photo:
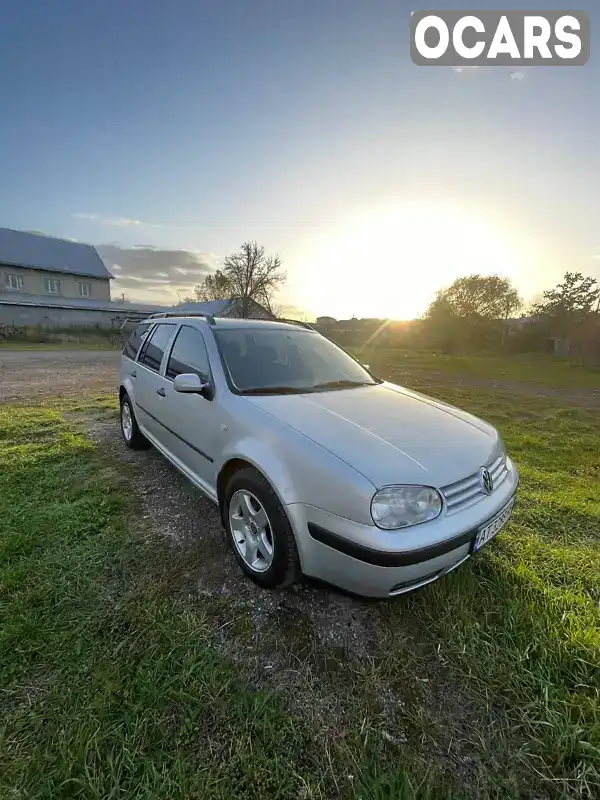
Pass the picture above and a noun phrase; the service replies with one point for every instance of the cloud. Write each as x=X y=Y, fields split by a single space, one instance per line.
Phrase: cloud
x=119 y=222
x=516 y=75
x=145 y=269
x=123 y=222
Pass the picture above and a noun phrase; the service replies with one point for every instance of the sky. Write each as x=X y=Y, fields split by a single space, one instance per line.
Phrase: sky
x=167 y=134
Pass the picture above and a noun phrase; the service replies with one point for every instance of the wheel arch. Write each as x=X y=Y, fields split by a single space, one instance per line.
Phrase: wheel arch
x=229 y=468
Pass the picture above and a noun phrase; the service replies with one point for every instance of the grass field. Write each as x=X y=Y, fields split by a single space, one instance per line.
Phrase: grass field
x=538 y=369
x=112 y=686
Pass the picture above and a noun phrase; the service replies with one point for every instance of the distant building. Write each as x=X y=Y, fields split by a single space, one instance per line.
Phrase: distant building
x=325 y=323
x=32 y=265
x=345 y=325
x=52 y=282
x=56 y=283
x=516 y=324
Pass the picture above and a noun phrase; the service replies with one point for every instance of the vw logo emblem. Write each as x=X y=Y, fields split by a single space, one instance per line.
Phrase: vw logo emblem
x=486 y=481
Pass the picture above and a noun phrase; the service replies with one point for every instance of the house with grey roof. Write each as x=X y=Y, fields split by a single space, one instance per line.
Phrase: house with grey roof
x=57 y=283
x=32 y=265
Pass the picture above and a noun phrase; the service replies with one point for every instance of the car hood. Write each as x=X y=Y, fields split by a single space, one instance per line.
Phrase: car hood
x=388 y=433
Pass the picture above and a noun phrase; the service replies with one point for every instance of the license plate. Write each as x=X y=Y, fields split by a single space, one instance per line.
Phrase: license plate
x=491 y=529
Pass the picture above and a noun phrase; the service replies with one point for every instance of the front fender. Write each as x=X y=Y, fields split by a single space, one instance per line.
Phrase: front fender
x=301 y=471
x=261 y=456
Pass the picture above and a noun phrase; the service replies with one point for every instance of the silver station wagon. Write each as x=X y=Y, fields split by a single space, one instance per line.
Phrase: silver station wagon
x=317 y=466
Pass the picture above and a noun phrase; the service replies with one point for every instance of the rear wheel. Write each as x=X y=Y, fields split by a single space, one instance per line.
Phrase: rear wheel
x=259 y=531
x=132 y=436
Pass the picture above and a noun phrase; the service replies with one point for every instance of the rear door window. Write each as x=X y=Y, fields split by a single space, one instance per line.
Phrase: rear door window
x=154 y=348
x=137 y=337
x=188 y=354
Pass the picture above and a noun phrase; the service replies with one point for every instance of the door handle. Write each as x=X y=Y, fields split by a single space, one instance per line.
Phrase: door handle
x=161 y=392
x=134 y=374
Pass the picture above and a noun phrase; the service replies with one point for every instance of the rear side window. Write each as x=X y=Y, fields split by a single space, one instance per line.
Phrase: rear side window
x=153 y=351
x=189 y=355
x=133 y=343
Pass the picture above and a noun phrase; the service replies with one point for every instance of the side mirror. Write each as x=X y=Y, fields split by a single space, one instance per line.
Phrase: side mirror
x=190 y=383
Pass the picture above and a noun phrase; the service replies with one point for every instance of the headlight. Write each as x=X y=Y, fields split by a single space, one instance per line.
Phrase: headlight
x=401 y=506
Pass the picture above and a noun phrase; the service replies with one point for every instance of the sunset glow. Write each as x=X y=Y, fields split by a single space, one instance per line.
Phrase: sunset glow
x=388 y=261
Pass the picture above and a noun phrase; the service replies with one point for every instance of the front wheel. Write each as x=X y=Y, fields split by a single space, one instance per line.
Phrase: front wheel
x=132 y=435
x=259 y=531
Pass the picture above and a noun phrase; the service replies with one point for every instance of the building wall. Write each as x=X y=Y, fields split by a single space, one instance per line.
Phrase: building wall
x=14 y=316
x=256 y=310
x=34 y=283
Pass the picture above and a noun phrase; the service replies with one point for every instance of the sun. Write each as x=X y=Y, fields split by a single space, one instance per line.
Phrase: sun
x=389 y=261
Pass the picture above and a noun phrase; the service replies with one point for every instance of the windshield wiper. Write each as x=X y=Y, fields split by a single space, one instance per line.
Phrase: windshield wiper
x=277 y=390
x=344 y=384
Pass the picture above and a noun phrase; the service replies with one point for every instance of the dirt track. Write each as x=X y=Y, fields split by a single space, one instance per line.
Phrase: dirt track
x=34 y=375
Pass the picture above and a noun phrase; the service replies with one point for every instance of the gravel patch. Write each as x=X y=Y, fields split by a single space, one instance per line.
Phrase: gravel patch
x=38 y=375
x=287 y=638
x=172 y=507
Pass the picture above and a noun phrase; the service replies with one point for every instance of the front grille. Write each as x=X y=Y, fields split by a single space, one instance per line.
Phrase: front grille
x=467 y=492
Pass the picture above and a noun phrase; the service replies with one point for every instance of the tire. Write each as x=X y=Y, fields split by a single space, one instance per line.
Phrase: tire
x=132 y=436
x=279 y=568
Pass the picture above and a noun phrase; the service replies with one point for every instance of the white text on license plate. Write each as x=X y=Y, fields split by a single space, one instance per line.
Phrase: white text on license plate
x=491 y=529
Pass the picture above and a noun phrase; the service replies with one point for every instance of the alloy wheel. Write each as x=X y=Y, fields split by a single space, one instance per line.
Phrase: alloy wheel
x=251 y=530
x=126 y=421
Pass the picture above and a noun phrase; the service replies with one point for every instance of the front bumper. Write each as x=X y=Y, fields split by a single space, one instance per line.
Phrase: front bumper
x=368 y=561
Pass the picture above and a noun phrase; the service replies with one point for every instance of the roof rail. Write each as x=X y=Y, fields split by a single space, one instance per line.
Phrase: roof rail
x=162 y=314
x=294 y=322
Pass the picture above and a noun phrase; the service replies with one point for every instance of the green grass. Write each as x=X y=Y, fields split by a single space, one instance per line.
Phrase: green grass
x=111 y=685
x=538 y=369
x=523 y=623
x=483 y=685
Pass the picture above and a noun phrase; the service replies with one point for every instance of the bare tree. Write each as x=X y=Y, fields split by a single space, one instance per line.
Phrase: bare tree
x=247 y=274
x=252 y=276
x=275 y=309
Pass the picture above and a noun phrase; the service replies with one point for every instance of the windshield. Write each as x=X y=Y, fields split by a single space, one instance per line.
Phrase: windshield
x=282 y=360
